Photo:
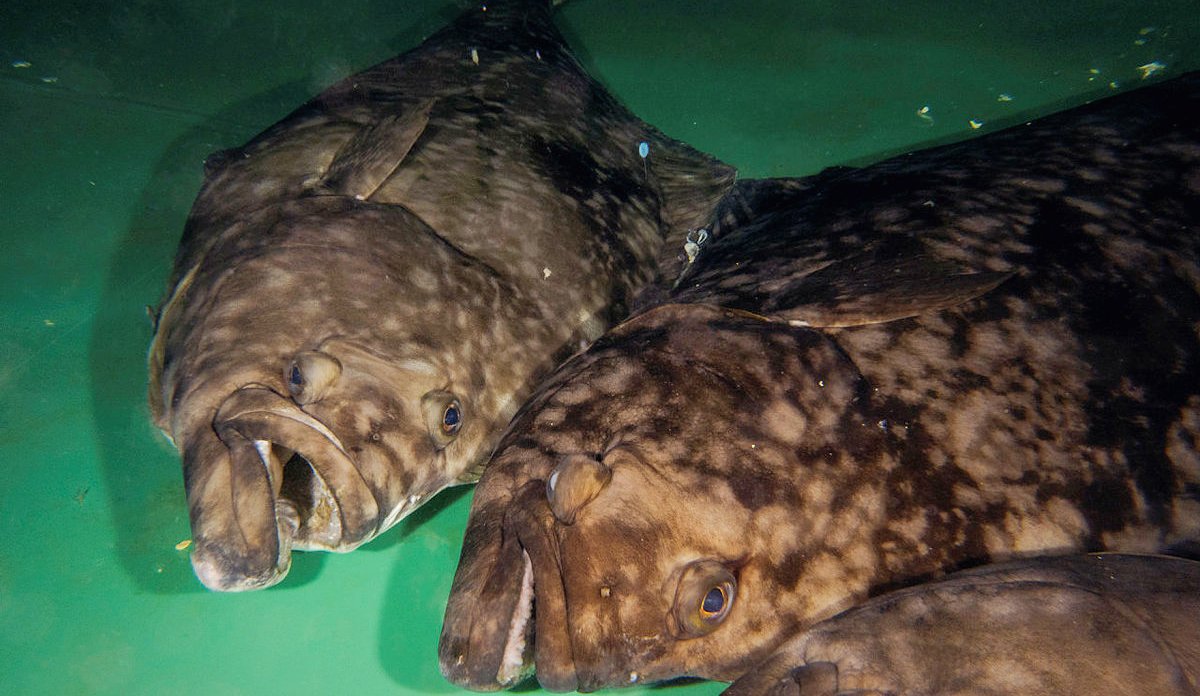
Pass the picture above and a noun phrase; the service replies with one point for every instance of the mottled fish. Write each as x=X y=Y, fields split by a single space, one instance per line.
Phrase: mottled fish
x=1097 y=624
x=366 y=292
x=865 y=379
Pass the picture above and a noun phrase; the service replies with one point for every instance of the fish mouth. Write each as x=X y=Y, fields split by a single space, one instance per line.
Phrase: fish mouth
x=283 y=481
x=506 y=617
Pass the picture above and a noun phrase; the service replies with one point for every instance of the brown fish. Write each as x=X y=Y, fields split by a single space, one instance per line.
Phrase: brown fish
x=952 y=358
x=1098 y=624
x=366 y=292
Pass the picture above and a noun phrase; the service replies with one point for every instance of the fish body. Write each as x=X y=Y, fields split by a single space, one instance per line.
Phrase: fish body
x=1093 y=624
x=366 y=291
x=865 y=380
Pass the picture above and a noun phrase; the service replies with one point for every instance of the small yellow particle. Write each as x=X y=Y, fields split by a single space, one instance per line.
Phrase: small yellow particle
x=1094 y=71
x=605 y=592
x=22 y=64
x=475 y=56
x=1004 y=97
x=545 y=273
x=975 y=125
x=183 y=544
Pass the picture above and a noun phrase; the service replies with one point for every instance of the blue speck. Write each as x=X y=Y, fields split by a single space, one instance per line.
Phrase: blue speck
x=643 y=149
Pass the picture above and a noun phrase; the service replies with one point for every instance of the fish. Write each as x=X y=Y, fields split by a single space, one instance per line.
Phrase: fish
x=365 y=292
x=864 y=380
x=1091 y=624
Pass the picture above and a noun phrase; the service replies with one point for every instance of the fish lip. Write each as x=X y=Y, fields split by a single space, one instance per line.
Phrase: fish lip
x=521 y=580
x=261 y=430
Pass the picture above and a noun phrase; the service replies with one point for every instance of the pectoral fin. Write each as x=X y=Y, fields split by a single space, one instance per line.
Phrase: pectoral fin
x=892 y=279
x=370 y=157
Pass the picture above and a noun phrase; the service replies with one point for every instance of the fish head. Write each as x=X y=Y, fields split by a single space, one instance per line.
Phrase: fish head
x=320 y=387
x=639 y=520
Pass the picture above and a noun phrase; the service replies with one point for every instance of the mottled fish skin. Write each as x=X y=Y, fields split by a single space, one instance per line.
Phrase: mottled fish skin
x=366 y=292
x=1095 y=624
x=952 y=358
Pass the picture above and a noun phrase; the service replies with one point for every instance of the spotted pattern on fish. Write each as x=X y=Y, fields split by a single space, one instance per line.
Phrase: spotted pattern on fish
x=867 y=379
x=440 y=229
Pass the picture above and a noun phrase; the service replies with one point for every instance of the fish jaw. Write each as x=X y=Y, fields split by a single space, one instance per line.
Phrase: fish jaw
x=514 y=576
x=274 y=479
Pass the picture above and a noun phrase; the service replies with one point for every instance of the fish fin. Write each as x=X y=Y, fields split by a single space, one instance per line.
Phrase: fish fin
x=691 y=184
x=893 y=279
x=370 y=157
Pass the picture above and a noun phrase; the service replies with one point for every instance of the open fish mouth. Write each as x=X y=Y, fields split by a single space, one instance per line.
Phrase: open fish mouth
x=507 y=617
x=280 y=480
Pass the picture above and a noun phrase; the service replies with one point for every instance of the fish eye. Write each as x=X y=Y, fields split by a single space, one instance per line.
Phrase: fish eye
x=703 y=599
x=452 y=418
x=311 y=375
x=714 y=602
x=444 y=416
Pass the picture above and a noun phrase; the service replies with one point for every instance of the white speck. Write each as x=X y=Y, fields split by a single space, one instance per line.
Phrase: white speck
x=643 y=149
x=691 y=245
x=545 y=273
x=1152 y=68
x=975 y=125
x=633 y=677
x=754 y=446
x=538 y=54
x=883 y=424
x=1114 y=85
x=821 y=383
x=359 y=197
x=22 y=64
x=475 y=56
x=49 y=80
x=605 y=592
x=48 y=322
x=1004 y=97
x=924 y=115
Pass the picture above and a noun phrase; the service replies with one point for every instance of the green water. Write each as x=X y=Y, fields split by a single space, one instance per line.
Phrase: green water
x=102 y=137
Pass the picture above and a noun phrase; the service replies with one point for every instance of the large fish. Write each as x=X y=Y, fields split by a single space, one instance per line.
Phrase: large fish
x=1098 y=624
x=866 y=379
x=366 y=292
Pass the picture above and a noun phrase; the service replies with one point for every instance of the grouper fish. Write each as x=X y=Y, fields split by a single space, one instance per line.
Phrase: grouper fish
x=1091 y=624
x=866 y=379
x=365 y=292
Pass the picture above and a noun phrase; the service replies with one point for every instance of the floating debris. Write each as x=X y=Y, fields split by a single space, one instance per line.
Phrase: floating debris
x=475 y=56
x=183 y=544
x=975 y=125
x=22 y=64
x=49 y=80
x=545 y=273
x=1150 y=69
x=1004 y=97
x=1114 y=85
x=924 y=115
x=695 y=240
x=48 y=322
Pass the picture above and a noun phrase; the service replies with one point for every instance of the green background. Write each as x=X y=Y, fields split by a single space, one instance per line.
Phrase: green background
x=102 y=138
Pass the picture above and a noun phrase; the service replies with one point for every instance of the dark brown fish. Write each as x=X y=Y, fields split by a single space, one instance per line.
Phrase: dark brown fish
x=955 y=357
x=1098 y=624
x=367 y=291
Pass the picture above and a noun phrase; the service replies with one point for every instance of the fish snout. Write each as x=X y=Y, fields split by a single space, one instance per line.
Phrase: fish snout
x=275 y=478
